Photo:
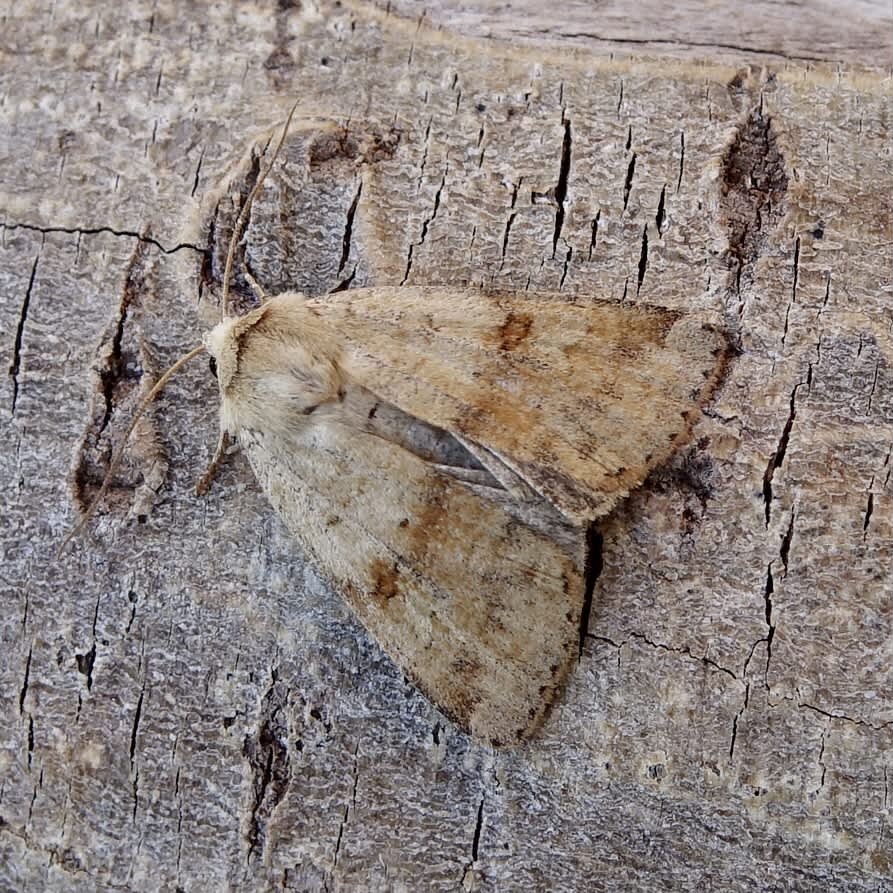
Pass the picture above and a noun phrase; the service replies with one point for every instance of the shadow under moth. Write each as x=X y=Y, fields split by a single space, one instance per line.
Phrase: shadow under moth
x=439 y=453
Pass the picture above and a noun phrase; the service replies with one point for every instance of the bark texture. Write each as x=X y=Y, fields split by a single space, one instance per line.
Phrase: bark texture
x=186 y=707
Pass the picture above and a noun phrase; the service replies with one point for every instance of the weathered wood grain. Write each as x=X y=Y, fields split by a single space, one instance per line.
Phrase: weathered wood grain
x=187 y=707
x=856 y=31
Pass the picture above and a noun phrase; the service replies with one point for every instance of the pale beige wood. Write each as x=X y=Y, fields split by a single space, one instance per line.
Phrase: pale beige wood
x=186 y=706
x=853 y=31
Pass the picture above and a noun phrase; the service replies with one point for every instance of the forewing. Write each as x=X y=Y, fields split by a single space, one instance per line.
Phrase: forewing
x=580 y=399
x=479 y=611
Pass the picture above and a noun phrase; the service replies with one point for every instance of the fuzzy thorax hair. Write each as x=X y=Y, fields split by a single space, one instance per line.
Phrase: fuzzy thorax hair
x=276 y=366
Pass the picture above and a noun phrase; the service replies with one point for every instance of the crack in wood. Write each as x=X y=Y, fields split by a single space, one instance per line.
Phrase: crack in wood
x=562 y=184
x=754 y=186
x=426 y=223
x=269 y=759
x=821 y=762
x=643 y=261
x=424 y=161
x=594 y=564
x=101 y=230
x=628 y=182
x=683 y=651
x=750 y=50
x=681 y=159
x=876 y=727
x=15 y=364
x=85 y=664
x=510 y=221
x=734 y=737
x=661 y=215
x=565 y=267
x=877 y=370
x=134 y=731
x=351 y=805
x=785 y=548
x=468 y=880
x=198 y=170
x=778 y=455
x=768 y=592
x=793 y=300
x=23 y=691
x=593 y=239
x=348 y=228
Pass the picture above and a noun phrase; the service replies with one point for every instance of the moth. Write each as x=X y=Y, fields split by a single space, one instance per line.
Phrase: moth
x=439 y=454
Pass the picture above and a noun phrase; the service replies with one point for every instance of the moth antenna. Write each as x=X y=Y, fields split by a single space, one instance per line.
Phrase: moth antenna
x=119 y=452
x=243 y=215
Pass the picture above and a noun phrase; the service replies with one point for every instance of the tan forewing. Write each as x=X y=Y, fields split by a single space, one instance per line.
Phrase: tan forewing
x=481 y=612
x=581 y=399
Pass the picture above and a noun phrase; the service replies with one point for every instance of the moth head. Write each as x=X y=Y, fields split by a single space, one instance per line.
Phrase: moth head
x=275 y=367
x=223 y=343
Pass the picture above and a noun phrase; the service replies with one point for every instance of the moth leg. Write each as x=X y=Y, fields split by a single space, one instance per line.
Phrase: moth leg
x=512 y=482
x=259 y=293
x=219 y=454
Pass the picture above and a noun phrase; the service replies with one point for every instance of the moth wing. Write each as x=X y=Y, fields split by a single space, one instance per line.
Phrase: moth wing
x=580 y=399
x=480 y=612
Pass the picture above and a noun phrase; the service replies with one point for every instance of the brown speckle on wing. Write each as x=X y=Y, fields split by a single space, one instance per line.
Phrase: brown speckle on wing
x=514 y=330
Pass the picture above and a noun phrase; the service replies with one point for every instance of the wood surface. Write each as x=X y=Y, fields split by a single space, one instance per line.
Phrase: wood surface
x=185 y=705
